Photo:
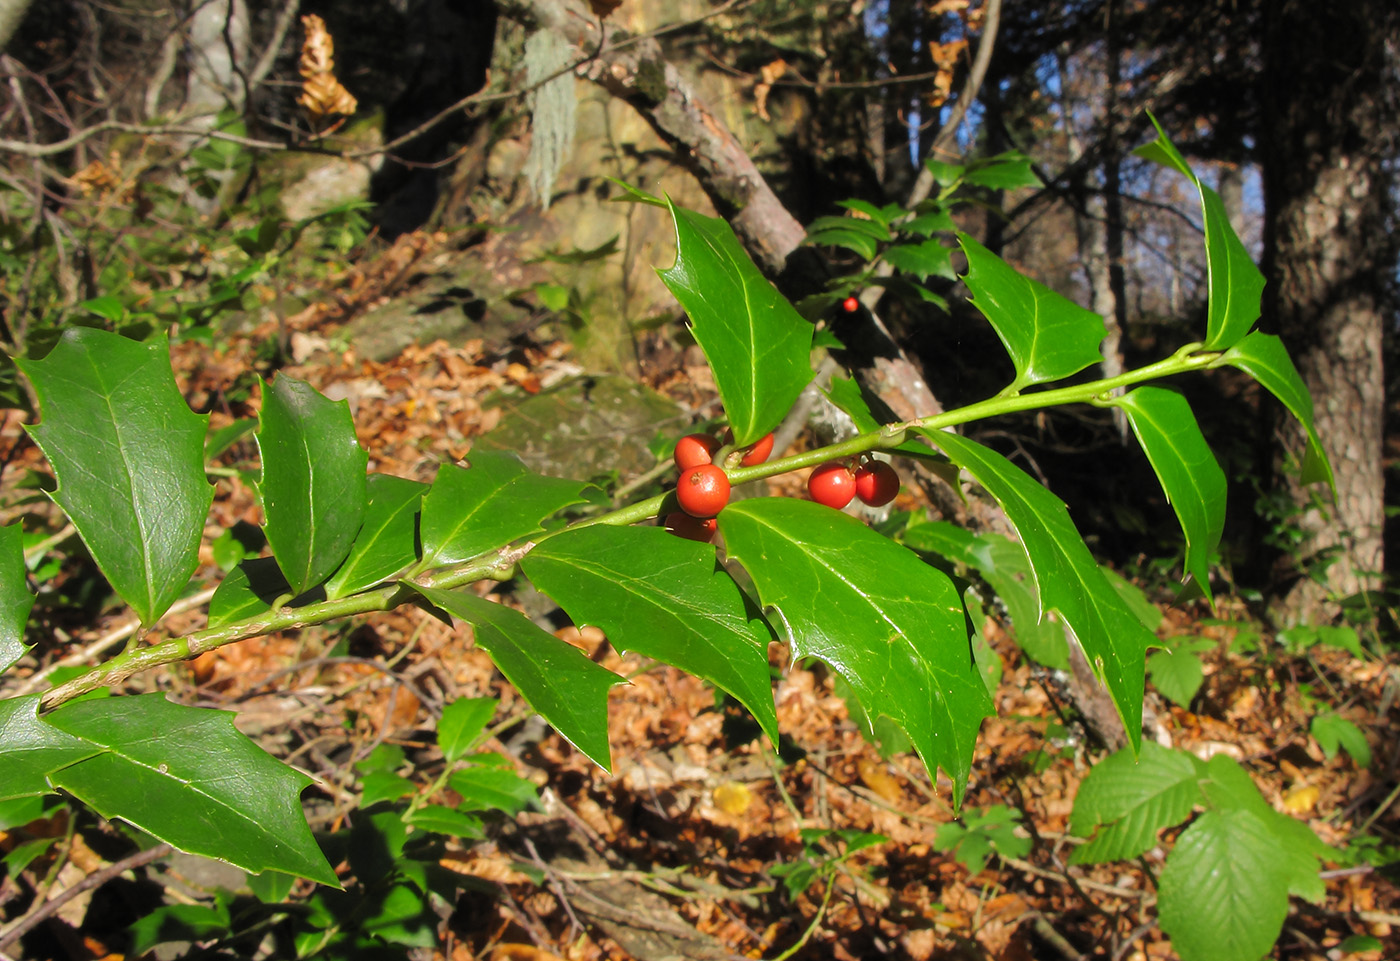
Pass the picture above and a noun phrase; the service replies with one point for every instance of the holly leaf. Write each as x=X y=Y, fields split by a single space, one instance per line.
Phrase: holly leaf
x=1235 y=285
x=129 y=457
x=387 y=541
x=923 y=259
x=30 y=749
x=1049 y=337
x=1125 y=800
x=1068 y=579
x=891 y=625
x=313 y=480
x=187 y=776
x=499 y=500
x=1188 y=471
x=1263 y=357
x=556 y=679
x=664 y=597
x=15 y=599
x=247 y=591
x=757 y=344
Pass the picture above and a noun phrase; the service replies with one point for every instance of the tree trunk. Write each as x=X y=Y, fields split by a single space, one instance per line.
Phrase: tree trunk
x=1329 y=259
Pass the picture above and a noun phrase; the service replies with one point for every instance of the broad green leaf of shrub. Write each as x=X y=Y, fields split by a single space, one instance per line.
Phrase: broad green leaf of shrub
x=470 y=511
x=1263 y=357
x=30 y=749
x=980 y=833
x=664 y=597
x=492 y=788
x=921 y=260
x=1068 y=579
x=1003 y=565
x=15 y=599
x=461 y=724
x=756 y=342
x=445 y=820
x=1333 y=731
x=247 y=591
x=1124 y=801
x=1188 y=471
x=1222 y=895
x=1178 y=673
x=187 y=776
x=1234 y=283
x=891 y=625
x=1005 y=171
x=873 y=229
x=388 y=539
x=313 y=480
x=1049 y=337
x=129 y=457
x=556 y=679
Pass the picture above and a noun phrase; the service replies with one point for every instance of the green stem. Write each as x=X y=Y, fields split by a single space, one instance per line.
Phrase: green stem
x=501 y=564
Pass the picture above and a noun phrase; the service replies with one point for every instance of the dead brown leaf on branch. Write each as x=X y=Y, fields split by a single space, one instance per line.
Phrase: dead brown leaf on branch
x=322 y=95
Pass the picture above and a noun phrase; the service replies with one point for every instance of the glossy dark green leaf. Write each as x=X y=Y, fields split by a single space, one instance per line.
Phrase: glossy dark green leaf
x=1235 y=284
x=1068 y=579
x=388 y=539
x=664 y=597
x=1004 y=566
x=1188 y=471
x=1048 y=336
x=922 y=260
x=129 y=457
x=247 y=591
x=756 y=343
x=1263 y=357
x=313 y=480
x=187 y=776
x=556 y=679
x=15 y=599
x=30 y=749
x=891 y=625
x=498 y=500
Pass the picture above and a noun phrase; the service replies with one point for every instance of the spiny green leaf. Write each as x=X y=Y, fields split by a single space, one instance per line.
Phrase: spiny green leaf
x=1263 y=357
x=313 y=480
x=1186 y=468
x=387 y=541
x=129 y=457
x=664 y=597
x=30 y=749
x=186 y=775
x=756 y=343
x=15 y=599
x=891 y=625
x=1126 y=800
x=469 y=512
x=1235 y=284
x=1067 y=577
x=556 y=679
x=1048 y=336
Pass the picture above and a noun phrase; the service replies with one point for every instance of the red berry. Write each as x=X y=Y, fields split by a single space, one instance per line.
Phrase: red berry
x=877 y=483
x=703 y=490
x=691 y=528
x=758 y=451
x=850 y=305
x=832 y=484
x=692 y=450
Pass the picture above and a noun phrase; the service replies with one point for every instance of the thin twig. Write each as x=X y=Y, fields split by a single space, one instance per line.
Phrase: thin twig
x=94 y=880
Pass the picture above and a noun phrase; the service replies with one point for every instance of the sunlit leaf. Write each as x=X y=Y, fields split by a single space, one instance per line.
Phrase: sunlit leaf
x=891 y=625
x=664 y=597
x=387 y=541
x=1235 y=284
x=247 y=591
x=1264 y=358
x=1068 y=578
x=498 y=500
x=15 y=599
x=313 y=480
x=756 y=343
x=129 y=457
x=1049 y=337
x=187 y=776
x=30 y=749
x=1125 y=801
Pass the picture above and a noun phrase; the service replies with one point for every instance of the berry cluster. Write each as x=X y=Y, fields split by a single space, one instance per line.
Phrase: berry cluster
x=703 y=488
